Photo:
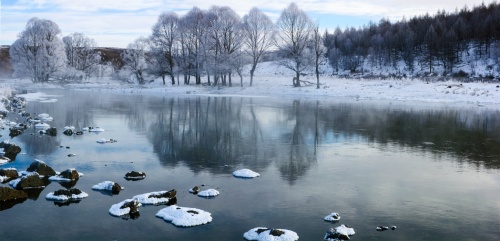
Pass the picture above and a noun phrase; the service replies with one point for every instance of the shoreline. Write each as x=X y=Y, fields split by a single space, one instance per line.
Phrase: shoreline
x=396 y=91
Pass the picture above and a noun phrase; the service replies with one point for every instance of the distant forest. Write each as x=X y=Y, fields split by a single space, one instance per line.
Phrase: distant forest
x=464 y=43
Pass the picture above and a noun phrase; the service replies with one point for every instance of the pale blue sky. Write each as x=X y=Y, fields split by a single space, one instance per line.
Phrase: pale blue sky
x=116 y=23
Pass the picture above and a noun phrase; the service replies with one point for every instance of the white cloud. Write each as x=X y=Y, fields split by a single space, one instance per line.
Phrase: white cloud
x=119 y=22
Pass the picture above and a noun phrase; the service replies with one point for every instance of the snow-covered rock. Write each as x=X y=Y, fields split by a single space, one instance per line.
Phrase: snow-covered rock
x=268 y=234
x=184 y=217
x=64 y=195
x=155 y=198
x=96 y=129
x=332 y=217
x=245 y=173
x=42 y=126
x=108 y=187
x=69 y=128
x=124 y=207
x=104 y=140
x=208 y=193
x=342 y=232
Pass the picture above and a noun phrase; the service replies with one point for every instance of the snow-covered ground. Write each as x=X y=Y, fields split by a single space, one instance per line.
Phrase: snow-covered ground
x=271 y=80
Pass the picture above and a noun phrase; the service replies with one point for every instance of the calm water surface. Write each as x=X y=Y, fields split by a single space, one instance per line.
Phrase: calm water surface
x=431 y=171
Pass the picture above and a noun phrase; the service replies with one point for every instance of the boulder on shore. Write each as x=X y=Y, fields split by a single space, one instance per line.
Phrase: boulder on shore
x=11 y=151
x=70 y=174
x=114 y=187
x=41 y=168
x=133 y=175
x=8 y=174
x=28 y=182
x=64 y=194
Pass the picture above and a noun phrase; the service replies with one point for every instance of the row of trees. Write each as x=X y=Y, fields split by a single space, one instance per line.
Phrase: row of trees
x=218 y=43
x=40 y=54
x=423 y=43
x=215 y=44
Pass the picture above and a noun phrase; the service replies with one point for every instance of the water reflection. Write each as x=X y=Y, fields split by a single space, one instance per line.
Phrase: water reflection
x=389 y=165
x=210 y=133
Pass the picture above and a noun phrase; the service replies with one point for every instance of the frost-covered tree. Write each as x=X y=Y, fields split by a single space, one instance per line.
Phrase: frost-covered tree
x=258 y=36
x=293 y=39
x=81 y=53
x=319 y=51
x=163 y=41
x=134 y=58
x=38 y=53
x=193 y=29
x=227 y=39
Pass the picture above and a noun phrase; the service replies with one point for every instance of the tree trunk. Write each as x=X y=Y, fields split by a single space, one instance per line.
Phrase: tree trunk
x=252 y=71
x=172 y=78
x=296 y=79
x=317 y=75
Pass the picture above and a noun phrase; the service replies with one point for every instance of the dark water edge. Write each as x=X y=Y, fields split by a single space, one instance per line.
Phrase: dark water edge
x=433 y=172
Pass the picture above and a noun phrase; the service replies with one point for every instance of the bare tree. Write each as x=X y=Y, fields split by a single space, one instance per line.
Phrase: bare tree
x=293 y=38
x=39 y=52
x=319 y=52
x=163 y=40
x=227 y=38
x=193 y=28
x=135 y=59
x=259 y=35
x=81 y=53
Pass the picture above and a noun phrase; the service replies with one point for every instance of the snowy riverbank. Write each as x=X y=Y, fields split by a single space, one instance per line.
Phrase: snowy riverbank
x=274 y=81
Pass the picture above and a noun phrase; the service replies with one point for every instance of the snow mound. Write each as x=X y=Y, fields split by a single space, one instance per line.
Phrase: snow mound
x=152 y=198
x=208 y=193
x=116 y=209
x=96 y=129
x=184 y=217
x=106 y=185
x=267 y=234
x=42 y=126
x=4 y=160
x=342 y=232
x=58 y=178
x=53 y=197
x=245 y=173
x=332 y=217
x=104 y=140
x=69 y=128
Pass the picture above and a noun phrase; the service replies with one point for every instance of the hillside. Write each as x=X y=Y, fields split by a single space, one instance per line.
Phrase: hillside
x=5 y=66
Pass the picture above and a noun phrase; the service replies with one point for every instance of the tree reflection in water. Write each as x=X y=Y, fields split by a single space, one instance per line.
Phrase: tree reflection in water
x=209 y=133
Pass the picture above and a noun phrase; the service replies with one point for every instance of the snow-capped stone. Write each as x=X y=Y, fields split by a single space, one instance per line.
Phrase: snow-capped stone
x=69 y=128
x=154 y=198
x=332 y=217
x=42 y=126
x=64 y=195
x=134 y=175
x=245 y=173
x=342 y=232
x=96 y=129
x=268 y=234
x=115 y=188
x=208 y=193
x=124 y=207
x=184 y=217
x=67 y=176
